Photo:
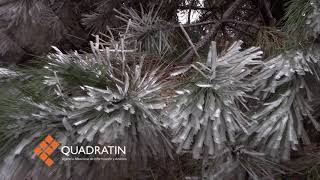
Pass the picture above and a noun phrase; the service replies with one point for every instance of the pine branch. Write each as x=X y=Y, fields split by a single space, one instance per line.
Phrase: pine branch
x=105 y=97
x=281 y=118
x=239 y=162
x=206 y=115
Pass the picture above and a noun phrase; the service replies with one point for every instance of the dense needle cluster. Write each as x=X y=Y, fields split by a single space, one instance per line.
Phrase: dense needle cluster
x=207 y=115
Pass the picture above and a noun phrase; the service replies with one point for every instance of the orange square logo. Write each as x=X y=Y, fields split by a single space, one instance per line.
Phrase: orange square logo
x=49 y=151
x=55 y=144
x=49 y=162
x=43 y=145
x=43 y=156
x=45 y=149
x=37 y=151
x=49 y=139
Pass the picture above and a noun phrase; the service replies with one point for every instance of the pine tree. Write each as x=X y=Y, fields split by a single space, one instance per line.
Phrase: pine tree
x=230 y=93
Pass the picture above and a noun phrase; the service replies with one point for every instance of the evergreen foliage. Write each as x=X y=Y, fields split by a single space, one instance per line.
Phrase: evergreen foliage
x=199 y=96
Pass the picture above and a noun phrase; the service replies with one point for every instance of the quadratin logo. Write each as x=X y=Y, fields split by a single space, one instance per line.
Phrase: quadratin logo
x=49 y=145
x=45 y=149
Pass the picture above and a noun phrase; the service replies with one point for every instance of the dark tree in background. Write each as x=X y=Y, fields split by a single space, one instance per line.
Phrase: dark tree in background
x=29 y=28
x=195 y=89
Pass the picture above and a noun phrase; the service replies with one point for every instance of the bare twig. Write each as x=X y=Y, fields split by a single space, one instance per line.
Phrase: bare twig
x=231 y=9
x=189 y=40
x=212 y=31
